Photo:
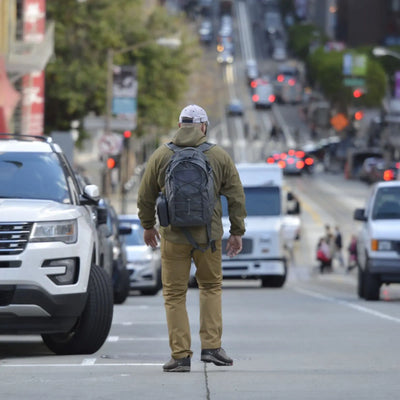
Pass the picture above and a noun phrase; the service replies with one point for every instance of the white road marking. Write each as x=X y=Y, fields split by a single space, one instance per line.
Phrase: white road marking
x=131 y=339
x=83 y=365
x=88 y=361
x=356 y=307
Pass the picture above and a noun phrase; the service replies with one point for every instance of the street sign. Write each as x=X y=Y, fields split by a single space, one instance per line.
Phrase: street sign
x=110 y=144
x=360 y=82
x=92 y=122
x=339 y=121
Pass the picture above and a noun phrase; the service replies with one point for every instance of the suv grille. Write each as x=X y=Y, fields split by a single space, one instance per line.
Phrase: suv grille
x=14 y=237
x=247 y=246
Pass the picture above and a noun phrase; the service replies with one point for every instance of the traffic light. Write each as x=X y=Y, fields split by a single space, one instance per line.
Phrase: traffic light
x=357 y=93
x=359 y=115
x=112 y=162
x=127 y=134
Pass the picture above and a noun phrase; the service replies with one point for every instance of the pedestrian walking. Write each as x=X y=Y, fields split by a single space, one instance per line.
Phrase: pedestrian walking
x=352 y=249
x=338 y=246
x=324 y=255
x=179 y=246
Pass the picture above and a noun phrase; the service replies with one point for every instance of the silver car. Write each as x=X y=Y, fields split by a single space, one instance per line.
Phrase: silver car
x=143 y=262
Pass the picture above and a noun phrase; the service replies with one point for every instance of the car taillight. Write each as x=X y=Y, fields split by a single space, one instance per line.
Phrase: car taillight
x=282 y=163
x=290 y=160
x=291 y=152
x=300 y=164
x=300 y=154
x=270 y=160
x=255 y=98
x=253 y=84
x=309 y=161
x=271 y=98
x=291 y=82
x=283 y=156
x=280 y=78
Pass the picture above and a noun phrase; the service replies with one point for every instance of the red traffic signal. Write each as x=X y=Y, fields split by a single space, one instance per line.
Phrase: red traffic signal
x=127 y=134
x=357 y=93
x=358 y=115
x=111 y=163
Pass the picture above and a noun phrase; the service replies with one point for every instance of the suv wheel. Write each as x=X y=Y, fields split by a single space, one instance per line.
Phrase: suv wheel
x=360 y=283
x=93 y=326
x=121 y=292
x=372 y=285
x=273 y=281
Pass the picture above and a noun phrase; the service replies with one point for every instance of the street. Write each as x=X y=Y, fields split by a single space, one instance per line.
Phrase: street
x=314 y=338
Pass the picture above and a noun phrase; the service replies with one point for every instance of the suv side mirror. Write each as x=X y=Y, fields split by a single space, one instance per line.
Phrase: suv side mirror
x=359 y=214
x=91 y=195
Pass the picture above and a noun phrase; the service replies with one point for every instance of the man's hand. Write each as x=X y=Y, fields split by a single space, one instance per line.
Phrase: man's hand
x=150 y=237
x=234 y=245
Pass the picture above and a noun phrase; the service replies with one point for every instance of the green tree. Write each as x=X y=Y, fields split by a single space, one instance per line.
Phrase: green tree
x=76 y=78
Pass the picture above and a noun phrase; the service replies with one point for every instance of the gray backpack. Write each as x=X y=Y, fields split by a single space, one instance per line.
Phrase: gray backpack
x=189 y=190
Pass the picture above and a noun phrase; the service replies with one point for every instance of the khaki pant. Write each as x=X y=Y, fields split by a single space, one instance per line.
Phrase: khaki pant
x=176 y=261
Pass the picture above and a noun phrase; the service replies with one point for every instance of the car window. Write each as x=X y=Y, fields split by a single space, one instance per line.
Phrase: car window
x=387 y=203
x=135 y=238
x=33 y=176
x=260 y=201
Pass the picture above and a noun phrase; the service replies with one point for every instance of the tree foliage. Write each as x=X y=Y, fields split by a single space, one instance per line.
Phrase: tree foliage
x=76 y=78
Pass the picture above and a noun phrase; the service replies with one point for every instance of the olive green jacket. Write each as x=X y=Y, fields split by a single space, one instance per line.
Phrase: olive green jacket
x=226 y=183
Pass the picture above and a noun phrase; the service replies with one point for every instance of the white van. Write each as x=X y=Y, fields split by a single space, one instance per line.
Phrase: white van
x=265 y=243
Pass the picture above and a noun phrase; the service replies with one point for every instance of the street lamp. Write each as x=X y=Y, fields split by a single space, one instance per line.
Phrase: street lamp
x=383 y=51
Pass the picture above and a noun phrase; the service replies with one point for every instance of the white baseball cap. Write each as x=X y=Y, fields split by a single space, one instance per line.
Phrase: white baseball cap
x=193 y=114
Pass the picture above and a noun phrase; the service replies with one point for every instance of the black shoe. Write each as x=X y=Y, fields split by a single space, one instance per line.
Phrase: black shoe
x=179 y=365
x=216 y=356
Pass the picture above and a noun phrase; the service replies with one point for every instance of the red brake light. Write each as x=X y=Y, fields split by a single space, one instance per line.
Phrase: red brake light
x=282 y=163
x=291 y=82
x=277 y=156
x=255 y=97
x=300 y=164
x=270 y=160
x=300 y=154
x=280 y=78
x=309 y=161
x=291 y=152
x=290 y=160
x=253 y=84
x=283 y=156
x=271 y=98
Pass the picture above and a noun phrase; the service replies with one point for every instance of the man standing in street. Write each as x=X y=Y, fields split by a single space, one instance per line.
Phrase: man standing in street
x=177 y=252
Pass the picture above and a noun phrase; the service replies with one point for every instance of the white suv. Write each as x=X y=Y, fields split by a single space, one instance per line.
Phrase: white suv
x=378 y=242
x=51 y=283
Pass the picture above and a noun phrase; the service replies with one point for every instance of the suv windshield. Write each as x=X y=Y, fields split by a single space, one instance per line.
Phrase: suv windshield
x=32 y=176
x=260 y=201
x=387 y=204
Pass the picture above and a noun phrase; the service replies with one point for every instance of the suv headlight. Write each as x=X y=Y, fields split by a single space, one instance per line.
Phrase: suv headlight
x=55 y=231
x=381 y=245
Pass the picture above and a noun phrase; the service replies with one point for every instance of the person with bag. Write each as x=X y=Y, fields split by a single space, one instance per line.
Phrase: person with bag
x=184 y=180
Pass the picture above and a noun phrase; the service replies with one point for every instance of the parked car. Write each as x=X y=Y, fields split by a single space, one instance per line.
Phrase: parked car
x=51 y=281
x=143 y=262
x=378 y=239
x=206 y=32
x=113 y=251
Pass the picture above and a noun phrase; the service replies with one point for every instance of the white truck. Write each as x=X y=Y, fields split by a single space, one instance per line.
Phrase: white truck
x=266 y=243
